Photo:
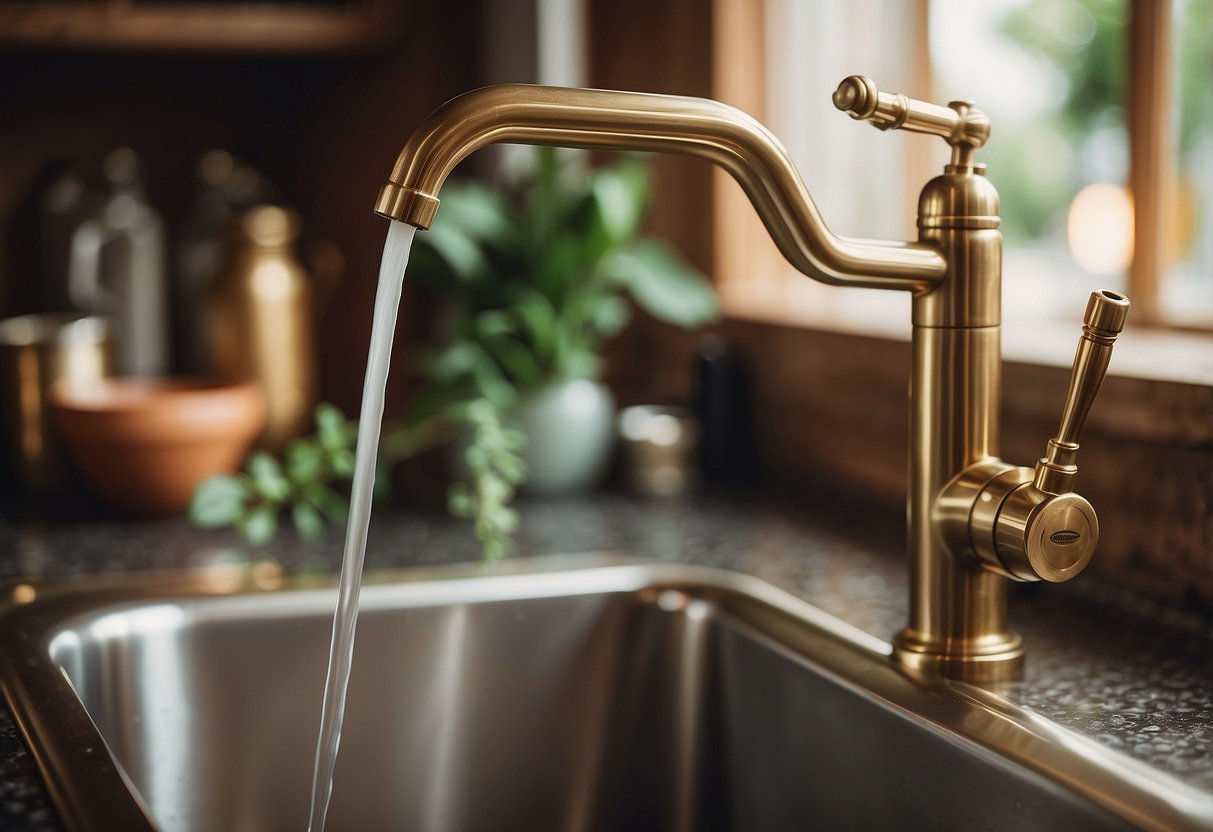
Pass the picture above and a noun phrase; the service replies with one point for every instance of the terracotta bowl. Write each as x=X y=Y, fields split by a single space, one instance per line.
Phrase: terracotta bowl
x=144 y=445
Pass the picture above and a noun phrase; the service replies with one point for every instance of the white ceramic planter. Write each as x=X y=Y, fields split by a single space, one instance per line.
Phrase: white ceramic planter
x=569 y=427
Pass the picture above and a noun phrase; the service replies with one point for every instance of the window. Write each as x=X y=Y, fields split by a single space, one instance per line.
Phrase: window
x=1075 y=132
x=782 y=64
x=1186 y=294
x=1051 y=75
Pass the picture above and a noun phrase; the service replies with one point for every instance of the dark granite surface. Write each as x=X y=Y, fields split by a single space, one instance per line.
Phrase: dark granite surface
x=1135 y=677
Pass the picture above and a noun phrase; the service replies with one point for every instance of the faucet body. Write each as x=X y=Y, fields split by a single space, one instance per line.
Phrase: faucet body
x=974 y=521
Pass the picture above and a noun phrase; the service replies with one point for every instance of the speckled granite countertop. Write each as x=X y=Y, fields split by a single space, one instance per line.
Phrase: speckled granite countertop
x=1136 y=678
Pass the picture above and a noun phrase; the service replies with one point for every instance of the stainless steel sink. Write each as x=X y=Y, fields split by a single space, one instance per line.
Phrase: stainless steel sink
x=543 y=695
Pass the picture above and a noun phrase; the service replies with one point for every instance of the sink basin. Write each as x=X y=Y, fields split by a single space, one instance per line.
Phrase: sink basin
x=566 y=695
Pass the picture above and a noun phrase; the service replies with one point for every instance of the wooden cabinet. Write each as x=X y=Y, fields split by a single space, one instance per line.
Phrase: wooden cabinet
x=299 y=26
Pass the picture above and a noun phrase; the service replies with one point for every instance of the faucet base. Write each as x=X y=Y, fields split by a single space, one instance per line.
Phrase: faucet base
x=990 y=659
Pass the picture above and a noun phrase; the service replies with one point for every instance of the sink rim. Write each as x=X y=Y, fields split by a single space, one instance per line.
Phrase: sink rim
x=86 y=786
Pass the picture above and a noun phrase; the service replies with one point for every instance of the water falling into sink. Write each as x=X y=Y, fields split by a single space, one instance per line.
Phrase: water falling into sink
x=341 y=652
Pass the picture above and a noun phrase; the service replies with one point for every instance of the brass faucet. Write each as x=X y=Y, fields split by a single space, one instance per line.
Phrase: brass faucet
x=974 y=520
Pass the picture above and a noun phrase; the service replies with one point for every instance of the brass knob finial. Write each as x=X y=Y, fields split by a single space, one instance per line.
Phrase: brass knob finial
x=960 y=124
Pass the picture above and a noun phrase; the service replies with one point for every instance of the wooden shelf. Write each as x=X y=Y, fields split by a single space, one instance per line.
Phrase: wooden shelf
x=339 y=26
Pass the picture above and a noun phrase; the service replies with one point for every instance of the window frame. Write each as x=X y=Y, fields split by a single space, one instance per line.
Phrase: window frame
x=752 y=278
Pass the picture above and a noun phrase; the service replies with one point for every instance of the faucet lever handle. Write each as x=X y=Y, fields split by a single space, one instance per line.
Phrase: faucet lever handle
x=962 y=125
x=1102 y=322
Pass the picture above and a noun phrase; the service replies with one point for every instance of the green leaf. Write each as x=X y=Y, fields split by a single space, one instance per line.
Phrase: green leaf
x=308 y=522
x=268 y=480
x=343 y=463
x=538 y=318
x=460 y=502
x=335 y=507
x=492 y=384
x=476 y=458
x=494 y=323
x=519 y=363
x=455 y=361
x=493 y=489
x=496 y=549
x=663 y=284
x=621 y=198
x=483 y=412
x=506 y=520
x=513 y=470
x=477 y=211
x=513 y=439
x=330 y=426
x=609 y=315
x=304 y=460
x=460 y=253
x=259 y=525
x=559 y=265
x=218 y=501
x=577 y=360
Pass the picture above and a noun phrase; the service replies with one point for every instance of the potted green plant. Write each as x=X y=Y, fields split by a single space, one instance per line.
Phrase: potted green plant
x=532 y=280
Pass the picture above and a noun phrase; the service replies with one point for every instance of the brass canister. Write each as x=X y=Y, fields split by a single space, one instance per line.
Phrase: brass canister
x=36 y=351
x=261 y=324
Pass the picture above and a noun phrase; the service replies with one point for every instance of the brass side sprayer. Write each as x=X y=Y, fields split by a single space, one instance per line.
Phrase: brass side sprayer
x=974 y=520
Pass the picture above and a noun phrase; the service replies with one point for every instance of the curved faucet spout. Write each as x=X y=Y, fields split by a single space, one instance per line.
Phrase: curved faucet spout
x=587 y=118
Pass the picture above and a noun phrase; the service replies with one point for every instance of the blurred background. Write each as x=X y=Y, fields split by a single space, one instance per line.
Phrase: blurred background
x=315 y=97
x=140 y=135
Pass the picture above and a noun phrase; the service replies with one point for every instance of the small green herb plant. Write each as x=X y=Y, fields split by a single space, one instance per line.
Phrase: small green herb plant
x=531 y=281
x=496 y=470
x=308 y=482
x=301 y=484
